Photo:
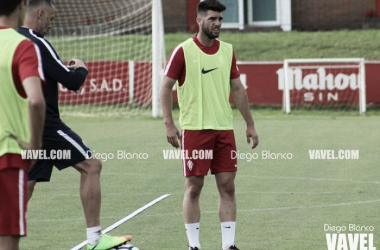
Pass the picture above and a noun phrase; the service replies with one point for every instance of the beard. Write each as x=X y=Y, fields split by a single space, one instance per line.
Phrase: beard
x=209 y=33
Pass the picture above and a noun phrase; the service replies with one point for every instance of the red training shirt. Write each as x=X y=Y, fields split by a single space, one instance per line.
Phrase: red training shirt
x=176 y=67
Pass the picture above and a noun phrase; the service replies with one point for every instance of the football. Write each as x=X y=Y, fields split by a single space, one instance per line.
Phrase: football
x=125 y=246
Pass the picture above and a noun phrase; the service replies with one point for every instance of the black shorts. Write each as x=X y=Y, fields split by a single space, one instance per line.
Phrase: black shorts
x=62 y=140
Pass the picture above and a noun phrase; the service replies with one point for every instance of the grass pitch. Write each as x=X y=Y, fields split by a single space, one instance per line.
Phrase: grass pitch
x=282 y=204
x=248 y=46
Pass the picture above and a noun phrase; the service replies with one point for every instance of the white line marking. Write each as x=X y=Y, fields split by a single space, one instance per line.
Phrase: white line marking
x=306 y=179
x=118 y=223
x=261 y=177
x=311 y=206
x=275 y=208
x=239 y=210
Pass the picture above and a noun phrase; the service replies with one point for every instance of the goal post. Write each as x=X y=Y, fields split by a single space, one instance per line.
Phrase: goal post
x=122 y=44
x=335 y=83
x=158 y=54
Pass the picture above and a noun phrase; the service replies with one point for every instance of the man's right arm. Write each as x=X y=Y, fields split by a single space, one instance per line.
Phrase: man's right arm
x=53 y=67
x=172 y=133
x=29 y=72
x=173 y=71
x=56 y=69
x=33 y=90
x=71 y=79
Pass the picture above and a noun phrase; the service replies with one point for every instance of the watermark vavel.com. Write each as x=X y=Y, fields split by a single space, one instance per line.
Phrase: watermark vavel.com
x=65 y=154
x=208 y=154
x=201 y=154
x=349 y=237
x=329 y=154
x=40 y=154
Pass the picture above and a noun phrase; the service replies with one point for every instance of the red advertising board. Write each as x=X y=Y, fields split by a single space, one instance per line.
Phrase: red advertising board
x=108 y=83
x=323 y=86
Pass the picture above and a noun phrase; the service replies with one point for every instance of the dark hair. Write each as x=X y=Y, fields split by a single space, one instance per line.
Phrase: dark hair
x=213 y=5
x=37 y=3
x=7 y=7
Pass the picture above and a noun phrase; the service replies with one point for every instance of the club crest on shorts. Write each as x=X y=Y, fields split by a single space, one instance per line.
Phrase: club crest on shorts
x=190 y=164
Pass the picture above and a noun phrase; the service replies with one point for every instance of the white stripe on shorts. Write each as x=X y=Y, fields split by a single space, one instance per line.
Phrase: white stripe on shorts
x=21 y=201
x=183 y=153
x=74 y=143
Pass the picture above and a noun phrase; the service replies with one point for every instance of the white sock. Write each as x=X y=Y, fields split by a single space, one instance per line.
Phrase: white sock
x=94 y=234
x=192 y=231
x=228 y=234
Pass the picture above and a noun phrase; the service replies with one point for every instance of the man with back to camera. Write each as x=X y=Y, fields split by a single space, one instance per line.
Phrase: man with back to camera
x=57 y=135
x=206 y=70
x=22 y=115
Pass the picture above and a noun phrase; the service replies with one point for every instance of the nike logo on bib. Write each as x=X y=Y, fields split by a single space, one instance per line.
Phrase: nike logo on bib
x=207 y=71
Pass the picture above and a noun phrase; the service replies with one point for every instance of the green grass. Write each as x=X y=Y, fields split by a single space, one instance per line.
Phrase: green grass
x=277 y=46
x=282 y=204
x=248 y=46
x=103 y=48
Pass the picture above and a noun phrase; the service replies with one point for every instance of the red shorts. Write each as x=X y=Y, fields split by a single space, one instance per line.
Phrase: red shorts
x=13 y=187
x=208 y=149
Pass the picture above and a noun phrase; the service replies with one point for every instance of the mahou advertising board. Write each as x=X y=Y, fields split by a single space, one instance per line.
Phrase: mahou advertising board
x=109 y=83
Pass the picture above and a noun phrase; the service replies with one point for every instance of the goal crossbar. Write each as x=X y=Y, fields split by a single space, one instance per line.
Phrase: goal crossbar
x=327 y=62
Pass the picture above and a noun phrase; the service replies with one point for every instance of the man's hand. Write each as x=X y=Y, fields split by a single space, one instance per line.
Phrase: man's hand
x=172 y=134
x=74 y=64
x=251 y=133
x=25 y=145
x=28 y=146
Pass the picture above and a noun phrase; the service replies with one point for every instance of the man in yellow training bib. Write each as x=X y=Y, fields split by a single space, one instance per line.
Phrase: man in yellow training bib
x=206 y=70
x=22 y=115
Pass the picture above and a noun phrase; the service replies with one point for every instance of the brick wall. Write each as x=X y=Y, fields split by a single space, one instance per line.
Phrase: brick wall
x=306 y=14
x=329 y=14
x=175 y=13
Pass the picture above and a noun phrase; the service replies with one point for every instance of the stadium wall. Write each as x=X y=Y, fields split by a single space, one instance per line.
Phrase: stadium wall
x=179 y=16
x=262 y=79
x=308 y=15
x=330 y=15
x=264 y=83
x=175 y=16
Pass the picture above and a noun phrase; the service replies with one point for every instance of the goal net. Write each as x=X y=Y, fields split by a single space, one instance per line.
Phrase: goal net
x=327 y=84
x=122 y=44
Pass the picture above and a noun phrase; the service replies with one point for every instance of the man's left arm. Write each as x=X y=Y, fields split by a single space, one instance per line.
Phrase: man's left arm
x=241 y=100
